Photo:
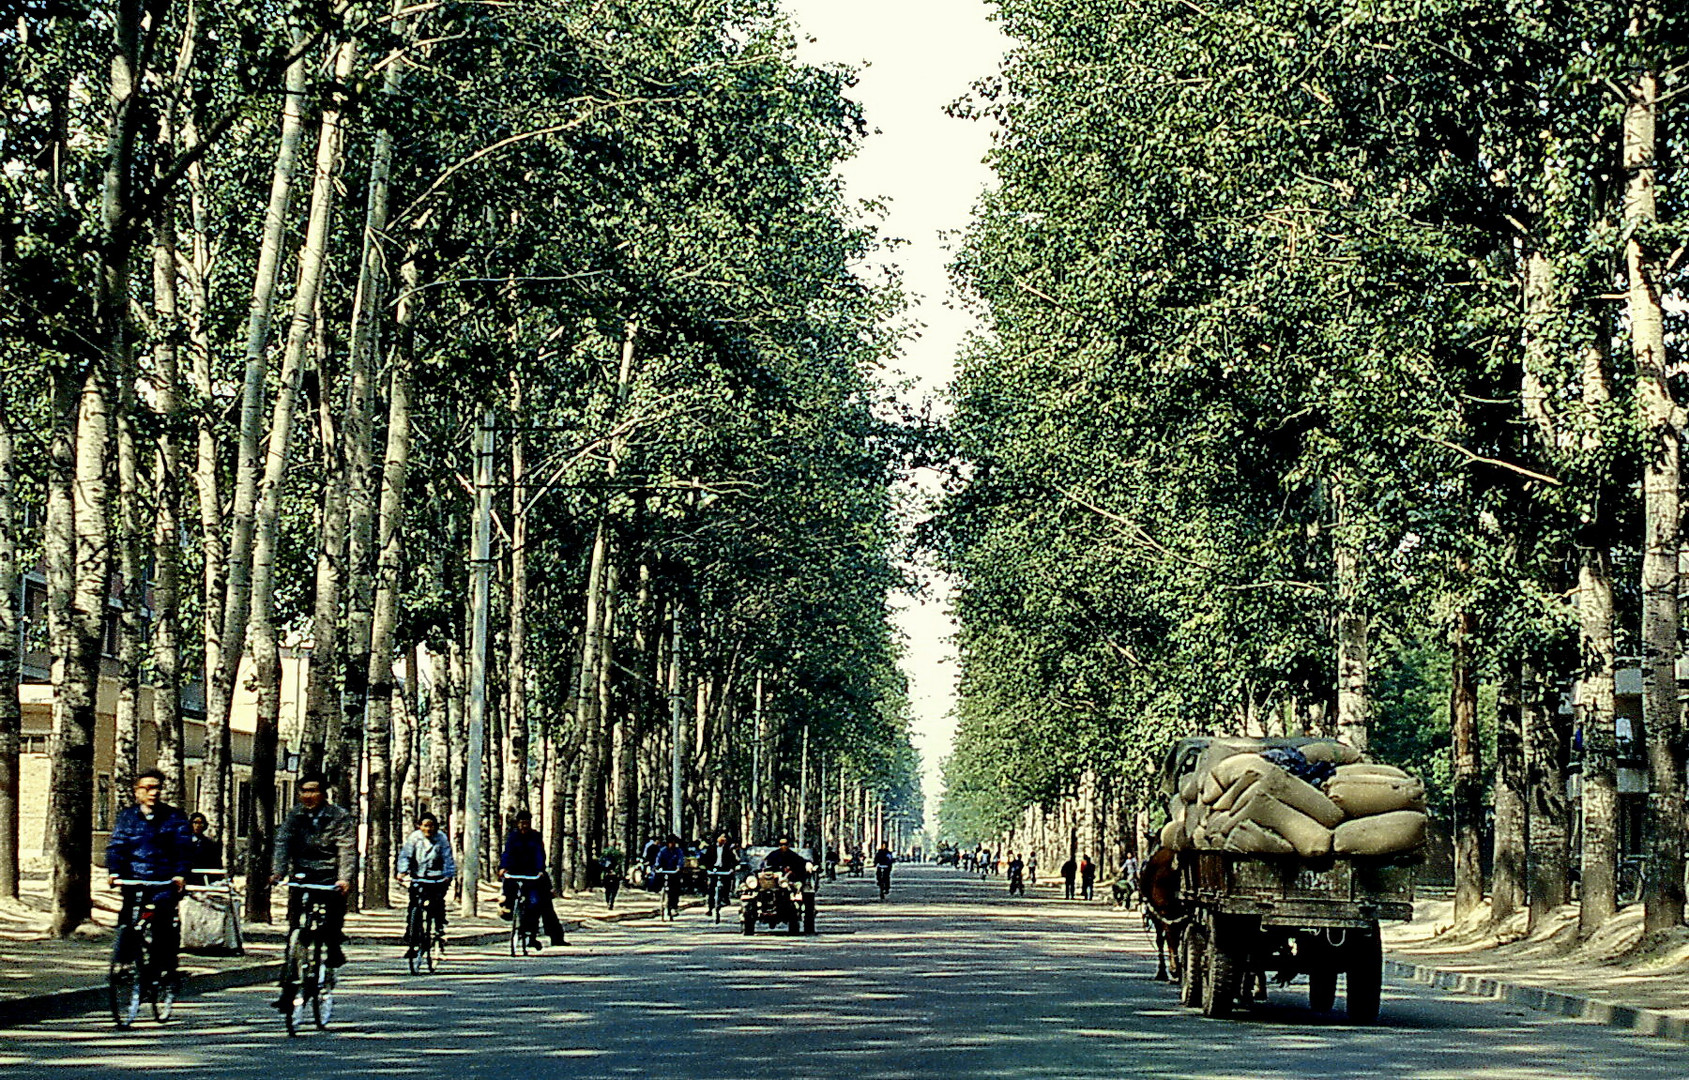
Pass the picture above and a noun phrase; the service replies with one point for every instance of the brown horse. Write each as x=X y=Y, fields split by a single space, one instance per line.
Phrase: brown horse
x=1158 y=884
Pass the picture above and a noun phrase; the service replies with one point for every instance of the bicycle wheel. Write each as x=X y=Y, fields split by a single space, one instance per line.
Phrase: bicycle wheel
x=123 y=983
x=164 y=996
x=436 y=953
x=516 y=940
x=322 y=977
x=417 y=936
x=294 y=991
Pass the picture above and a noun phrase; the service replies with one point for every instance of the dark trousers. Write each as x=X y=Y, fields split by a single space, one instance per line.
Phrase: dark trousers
x=334 y=912
x=541 y=892
x=431 y=895
x=166 y=930
x=612 y=886
x=1087 y=889
x=1069 y=883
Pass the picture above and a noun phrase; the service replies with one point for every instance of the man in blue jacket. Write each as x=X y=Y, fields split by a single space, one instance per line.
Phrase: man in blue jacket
x=524 y=854
x=151 y=841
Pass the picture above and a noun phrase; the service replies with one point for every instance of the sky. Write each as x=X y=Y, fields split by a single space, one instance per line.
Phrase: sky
x=914 y=57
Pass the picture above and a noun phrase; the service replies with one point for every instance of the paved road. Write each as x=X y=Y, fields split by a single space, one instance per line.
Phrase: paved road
x=950 y=978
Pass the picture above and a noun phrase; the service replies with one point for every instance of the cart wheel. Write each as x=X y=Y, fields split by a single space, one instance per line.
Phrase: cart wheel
x=809 y=914
x=1365 y=968
x=1221 y=974
x=1190 y=967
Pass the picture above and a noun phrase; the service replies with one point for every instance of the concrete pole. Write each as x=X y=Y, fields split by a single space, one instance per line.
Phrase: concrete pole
x=803 y=791
x=674 y=722
x=479 y=600
x=757 y=826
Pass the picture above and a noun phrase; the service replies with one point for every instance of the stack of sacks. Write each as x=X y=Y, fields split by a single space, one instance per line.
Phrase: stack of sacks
x=1383 y=807
x=1243 y=800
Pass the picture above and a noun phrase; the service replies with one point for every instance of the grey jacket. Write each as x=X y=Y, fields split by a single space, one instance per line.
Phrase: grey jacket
x=422 y=857
x=321 y=844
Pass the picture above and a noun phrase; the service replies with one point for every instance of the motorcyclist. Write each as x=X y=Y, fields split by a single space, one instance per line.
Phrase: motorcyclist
x=787 y=861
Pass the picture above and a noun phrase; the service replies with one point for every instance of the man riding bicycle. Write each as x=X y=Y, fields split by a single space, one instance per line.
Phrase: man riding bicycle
x=426 y=860
x=318 y=845
x=884 y=860
x=671 y=859
x=151 y=841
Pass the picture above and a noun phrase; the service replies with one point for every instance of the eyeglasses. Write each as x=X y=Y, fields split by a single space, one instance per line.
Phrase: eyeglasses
x=148 y=787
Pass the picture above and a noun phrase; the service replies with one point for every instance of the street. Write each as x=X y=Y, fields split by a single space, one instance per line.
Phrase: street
x=949 y=978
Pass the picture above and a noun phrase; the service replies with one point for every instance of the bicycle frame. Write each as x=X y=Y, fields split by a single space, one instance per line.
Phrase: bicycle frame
x=426 y=936
x=721 y=890
x=524 y=916
x=134 y=974
x=669 y=892
x=314 y=985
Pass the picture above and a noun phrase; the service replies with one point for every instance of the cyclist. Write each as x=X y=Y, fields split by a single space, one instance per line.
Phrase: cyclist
x=670 y=861
x=318 y=844
x=151 y=841
x=524 y=854
x=884 y=860
x=426 y=859
x=721 y=858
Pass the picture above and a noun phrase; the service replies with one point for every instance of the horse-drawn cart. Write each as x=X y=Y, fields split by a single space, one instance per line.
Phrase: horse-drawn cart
x=1248 y=885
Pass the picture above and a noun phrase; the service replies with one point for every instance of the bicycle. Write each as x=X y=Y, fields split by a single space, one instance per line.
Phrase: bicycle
x=1630 y=879
x=721 y=890
x=668 y=889
x=882 y=878
x=425 y=937
x=134 y=975
x=307 y=980
x=524 y=916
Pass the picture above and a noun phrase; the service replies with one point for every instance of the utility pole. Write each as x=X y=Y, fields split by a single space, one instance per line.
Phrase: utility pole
x=803 y=790
x=756 y=769
x=479 y=601
x=674 y=722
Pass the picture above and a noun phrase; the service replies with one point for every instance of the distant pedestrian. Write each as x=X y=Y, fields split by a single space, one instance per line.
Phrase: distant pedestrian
x=1068 y=870
x=1017 y=870
x=1032 y=867
x=204 y=852
x=610 y=875
x=1087 y=877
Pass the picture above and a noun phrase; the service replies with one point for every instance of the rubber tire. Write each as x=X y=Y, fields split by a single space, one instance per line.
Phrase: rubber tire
x=322 y=1002
x=293 y=970
x=123 y=993
x=749 y=918
x=1364 y=964
x=164 y=999
x=1220 y=976
x=1322 y=989
x=1191 y=963
x=809 y=914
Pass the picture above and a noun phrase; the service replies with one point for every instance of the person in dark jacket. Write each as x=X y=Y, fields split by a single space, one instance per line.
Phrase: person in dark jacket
x=317 y=844
x=1068 y=870
x=610 y=874
x=204 y=852
x=1087 y=877
x=1017 y=871
x=666 y=868
x=150 y=842
x=524 y=854
x=784 y=859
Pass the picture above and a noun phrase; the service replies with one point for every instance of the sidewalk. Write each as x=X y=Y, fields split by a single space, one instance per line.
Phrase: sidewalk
x=42 y=977
x=1604 y=980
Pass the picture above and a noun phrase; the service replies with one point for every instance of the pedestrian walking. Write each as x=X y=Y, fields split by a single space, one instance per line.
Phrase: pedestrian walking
x=610 y=875
x=1068 y=870
x=1017 y=880
x=1032 y=867
x=1087 y=877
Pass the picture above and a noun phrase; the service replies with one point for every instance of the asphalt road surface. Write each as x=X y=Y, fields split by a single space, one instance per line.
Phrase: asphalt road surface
x=949 y=978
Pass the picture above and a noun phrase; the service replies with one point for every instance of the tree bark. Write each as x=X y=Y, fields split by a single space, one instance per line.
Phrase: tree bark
x=1351 y=633
x=1468 y=779
x=320 y=734
x=266 y=645
x=516 y=796
x=1512 y=827
x=11 y=712
x=1596 y=703
x=166 y=537
x=389 y=563
x=1548 y=866
x=131 y=630
x=1663 y=896
x=223 y=660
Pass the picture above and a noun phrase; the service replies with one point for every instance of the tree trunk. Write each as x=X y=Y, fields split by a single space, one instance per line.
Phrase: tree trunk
x=1512 y=835
x=1548 y=863
x=166 y=537
x=319 y=736
x=1351 y=634
x=1600 y=801
x=223 y=660
x=378 y=866
x=11 y=713
x=132 y=590
x=588 y=716
x=1468 y=779
x=266 y=644
x=439 y=777
x=1661 y=720
x=516 y=796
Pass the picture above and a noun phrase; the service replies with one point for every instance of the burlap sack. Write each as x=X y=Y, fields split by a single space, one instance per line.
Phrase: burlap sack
x=1209 y=760
x=1211 y=789
x=1372 y=768
x=1242 y=775
x=1173 y=836
x=1364 y=794
x=1190 y=787
x=1247 y=838
x=1381 y=834
x=1309 y=838
x=1334 y=753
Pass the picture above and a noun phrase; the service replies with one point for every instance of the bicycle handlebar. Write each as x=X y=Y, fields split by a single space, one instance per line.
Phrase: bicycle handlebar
x=138 y=882
x=308 y=885
x=518 y=877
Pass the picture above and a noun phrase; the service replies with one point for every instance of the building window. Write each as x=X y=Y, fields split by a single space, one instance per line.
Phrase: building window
x=34 y=744
x=102 y=803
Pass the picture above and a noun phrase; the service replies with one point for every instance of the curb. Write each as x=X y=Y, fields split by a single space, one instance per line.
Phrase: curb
x=60 y=1004
x=1623 y=1017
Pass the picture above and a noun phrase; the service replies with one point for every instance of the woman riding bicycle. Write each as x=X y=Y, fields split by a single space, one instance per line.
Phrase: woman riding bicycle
x=524 y=857
x=426 y=859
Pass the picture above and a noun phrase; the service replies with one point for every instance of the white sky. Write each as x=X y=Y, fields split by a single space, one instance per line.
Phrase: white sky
x=914 y=57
